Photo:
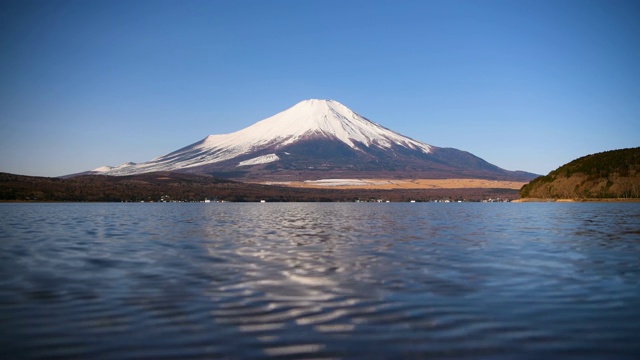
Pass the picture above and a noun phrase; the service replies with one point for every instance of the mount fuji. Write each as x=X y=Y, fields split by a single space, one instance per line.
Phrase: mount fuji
x=318 y=139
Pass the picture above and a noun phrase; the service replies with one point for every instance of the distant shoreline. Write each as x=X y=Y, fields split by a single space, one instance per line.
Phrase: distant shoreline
x=179 y=187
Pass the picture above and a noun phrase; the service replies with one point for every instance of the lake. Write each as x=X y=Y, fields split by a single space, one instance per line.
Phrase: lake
x=321 y=281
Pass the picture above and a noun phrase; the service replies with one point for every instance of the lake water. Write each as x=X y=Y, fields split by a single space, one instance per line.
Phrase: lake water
x=307 y=280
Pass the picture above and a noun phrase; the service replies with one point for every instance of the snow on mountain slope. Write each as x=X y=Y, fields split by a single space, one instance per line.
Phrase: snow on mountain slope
x=327 y=118
x=306 y=120
x=107 y=169
x=264 y=159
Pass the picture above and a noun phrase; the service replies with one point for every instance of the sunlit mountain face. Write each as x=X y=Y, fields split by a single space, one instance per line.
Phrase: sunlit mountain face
x=318 y=139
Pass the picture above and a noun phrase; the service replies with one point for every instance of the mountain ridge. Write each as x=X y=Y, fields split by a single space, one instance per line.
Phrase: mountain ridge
x=314 y=139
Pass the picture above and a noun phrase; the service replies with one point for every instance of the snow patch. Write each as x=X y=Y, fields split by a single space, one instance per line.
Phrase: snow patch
x=264 y=159
x=106 y=168
x=343 y=182
x=102 y=169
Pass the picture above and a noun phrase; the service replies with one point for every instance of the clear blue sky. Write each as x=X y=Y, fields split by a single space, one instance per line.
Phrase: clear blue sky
x=526 y=85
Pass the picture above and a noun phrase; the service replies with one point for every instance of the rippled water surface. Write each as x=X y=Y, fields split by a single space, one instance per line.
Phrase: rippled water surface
x=388 y=281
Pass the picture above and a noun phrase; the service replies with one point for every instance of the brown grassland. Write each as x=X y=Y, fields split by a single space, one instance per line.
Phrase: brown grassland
x=404 y=184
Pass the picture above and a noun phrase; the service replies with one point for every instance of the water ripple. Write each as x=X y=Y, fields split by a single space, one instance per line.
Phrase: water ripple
x=125 y=281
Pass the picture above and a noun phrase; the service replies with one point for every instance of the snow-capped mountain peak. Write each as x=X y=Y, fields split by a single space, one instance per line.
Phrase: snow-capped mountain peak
x=307 y=120
x=317 y=139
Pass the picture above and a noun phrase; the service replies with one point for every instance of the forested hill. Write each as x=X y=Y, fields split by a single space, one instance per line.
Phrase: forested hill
x=610 y=174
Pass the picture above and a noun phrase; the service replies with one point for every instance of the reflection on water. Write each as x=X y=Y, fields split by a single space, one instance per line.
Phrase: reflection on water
x=319 y=280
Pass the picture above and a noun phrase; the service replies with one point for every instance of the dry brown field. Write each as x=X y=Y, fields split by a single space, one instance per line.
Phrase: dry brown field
x=403 y=184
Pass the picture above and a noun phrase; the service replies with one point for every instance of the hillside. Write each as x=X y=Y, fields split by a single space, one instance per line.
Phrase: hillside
x=610 y=174
x=173 y=186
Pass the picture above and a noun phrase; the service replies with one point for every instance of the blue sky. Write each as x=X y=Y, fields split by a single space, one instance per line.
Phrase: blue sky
x=526 y=85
